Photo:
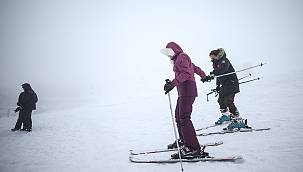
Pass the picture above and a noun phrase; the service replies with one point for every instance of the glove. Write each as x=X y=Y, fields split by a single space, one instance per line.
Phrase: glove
x=208 y=78
x=168 y=86
x=17 y=109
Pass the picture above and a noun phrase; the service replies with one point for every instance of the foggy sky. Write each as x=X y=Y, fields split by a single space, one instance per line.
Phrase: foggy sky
x=104 y=49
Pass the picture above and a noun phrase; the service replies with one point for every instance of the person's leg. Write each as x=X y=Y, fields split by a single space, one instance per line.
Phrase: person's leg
x=29 y=120
x=222 y=104
x=25 y=121
x=231 y=105
x=177 y=117
x=223 y=109
x=187 y=128
x=19 y=120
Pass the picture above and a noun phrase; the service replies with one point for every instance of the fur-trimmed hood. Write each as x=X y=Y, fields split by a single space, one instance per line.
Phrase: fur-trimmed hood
x=221 y=52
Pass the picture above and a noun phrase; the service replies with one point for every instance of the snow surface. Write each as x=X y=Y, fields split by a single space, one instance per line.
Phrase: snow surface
x=97 y=137
x=99 y=75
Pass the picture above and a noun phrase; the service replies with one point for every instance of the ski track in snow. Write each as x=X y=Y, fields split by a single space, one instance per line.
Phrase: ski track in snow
x=96 y=137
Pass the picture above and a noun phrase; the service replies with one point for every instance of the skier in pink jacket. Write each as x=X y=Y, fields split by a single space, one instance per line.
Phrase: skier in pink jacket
x=187 y=92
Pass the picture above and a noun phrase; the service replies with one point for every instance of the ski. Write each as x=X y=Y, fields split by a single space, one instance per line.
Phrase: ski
x=222 y=159
x=136 y=152
x=233 y=131
x=211 y=126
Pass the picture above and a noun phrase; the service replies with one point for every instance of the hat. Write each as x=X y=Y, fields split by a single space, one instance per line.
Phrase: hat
x=26 y=86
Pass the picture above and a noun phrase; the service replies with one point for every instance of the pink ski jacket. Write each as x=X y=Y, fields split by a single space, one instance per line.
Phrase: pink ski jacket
x=184 y=72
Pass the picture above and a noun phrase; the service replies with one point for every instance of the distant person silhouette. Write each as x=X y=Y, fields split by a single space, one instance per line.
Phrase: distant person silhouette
x=26 y=104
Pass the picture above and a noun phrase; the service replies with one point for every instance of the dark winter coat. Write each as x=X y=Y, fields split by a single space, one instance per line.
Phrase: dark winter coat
x=229 y=83
x=27 y=99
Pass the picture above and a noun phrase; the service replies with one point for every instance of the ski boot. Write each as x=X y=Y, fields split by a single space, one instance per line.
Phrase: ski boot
x=174 y=144
x=187 y=153
x=14 y=129
x=237 y=124
x=225 y=117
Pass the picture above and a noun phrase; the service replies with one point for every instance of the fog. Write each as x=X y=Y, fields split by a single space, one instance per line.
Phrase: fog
x=108 y=51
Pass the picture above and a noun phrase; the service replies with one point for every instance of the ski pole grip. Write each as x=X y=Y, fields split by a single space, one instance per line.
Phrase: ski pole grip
x=167 y=80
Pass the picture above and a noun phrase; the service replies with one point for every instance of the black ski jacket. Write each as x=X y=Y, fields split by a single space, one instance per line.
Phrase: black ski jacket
x=229 y=83
x=27 y=100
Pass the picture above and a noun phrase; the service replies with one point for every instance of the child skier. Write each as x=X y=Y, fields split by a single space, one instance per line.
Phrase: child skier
x=227 y=86
x=187 y=92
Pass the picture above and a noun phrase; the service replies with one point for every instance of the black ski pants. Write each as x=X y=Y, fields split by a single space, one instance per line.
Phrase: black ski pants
x=25 y=118
x=228 y=101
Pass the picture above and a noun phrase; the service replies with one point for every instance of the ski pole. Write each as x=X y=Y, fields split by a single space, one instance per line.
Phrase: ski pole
x=213 y=91
x=175 y=131
x=250 y=80
x=245 y=76
x=240 y=70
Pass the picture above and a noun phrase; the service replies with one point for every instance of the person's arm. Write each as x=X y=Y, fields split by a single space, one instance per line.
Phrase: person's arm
x=199 y=71
x=20 y=99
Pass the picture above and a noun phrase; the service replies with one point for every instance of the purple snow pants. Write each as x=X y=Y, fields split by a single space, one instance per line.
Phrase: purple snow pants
x=186 y=129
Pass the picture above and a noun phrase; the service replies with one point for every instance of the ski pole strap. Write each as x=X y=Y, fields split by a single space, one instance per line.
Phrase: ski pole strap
x=213 y=91
x=210 y=93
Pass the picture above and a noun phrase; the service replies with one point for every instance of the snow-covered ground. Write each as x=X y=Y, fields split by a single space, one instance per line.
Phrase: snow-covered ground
x=97 y=137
